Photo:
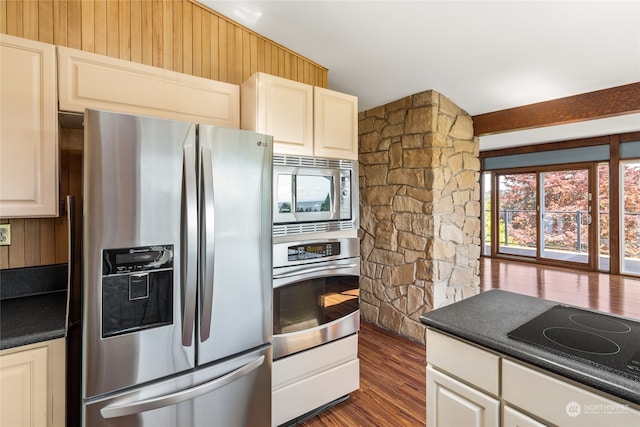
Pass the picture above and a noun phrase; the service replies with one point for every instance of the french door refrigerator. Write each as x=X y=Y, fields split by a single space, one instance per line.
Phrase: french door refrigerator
x=177 y=320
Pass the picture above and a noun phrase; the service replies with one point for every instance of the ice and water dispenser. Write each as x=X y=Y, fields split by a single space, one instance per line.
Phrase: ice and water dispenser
x=137 y=289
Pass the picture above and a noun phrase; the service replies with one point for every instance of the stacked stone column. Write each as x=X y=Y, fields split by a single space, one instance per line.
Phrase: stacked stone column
x=420 y=210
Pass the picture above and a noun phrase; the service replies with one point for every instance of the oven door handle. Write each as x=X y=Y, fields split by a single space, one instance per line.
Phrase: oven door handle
x=303 y=271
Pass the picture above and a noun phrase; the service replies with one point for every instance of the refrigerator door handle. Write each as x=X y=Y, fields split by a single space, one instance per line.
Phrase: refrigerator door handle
x=71 y=237
x=190 y=241
x=117 y=409
x=208 y=244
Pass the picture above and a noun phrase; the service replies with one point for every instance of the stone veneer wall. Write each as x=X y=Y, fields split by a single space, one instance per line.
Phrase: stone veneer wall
x=420 y=209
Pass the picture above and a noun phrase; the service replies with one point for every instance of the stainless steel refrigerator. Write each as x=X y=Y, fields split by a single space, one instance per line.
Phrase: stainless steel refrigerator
x=177 y=320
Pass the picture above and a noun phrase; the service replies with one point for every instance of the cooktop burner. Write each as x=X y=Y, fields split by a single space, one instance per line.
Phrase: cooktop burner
x=597 y=338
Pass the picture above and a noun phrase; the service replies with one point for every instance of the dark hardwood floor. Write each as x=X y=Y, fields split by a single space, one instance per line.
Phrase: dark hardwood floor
x=392 y=369
x=392 y=384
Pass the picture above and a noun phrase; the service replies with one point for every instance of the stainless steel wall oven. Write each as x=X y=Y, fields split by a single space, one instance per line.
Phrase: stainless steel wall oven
x=315 y=293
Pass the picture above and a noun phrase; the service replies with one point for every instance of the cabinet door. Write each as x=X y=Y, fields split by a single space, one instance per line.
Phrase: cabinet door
x=89 y=80
x=23 y=387
x=208 y=101
x=282 y=108
x=452 y=403
x=335 y=125
x=28 y=129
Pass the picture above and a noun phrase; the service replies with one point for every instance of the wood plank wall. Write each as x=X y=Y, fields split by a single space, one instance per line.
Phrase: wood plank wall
x=179 y=35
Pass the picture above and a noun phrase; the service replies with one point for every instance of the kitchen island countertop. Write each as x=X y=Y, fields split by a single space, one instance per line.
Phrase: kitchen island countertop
x=486 y=318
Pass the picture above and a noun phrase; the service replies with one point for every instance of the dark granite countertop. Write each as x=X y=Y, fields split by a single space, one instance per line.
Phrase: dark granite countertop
x=486 y=318
x=32 y=305
x=32 y=319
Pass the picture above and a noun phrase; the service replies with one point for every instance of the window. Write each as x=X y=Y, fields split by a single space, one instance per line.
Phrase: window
x=630 y=230
x=545 y=214
x=517 y=214
x=604 y=216
x=486 y=213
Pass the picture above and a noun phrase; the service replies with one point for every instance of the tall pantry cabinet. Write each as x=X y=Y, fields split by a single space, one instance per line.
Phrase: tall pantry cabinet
x=304 y=120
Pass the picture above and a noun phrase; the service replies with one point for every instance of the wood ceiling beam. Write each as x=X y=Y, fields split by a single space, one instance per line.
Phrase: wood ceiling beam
x=600 y=104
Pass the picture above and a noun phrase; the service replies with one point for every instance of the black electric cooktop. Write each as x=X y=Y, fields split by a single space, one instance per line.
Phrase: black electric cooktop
x=606 y=341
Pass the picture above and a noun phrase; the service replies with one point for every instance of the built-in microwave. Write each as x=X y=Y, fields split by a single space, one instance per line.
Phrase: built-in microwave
x=313 y=194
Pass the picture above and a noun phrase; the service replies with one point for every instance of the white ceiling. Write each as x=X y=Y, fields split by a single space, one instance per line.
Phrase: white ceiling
x=483 y=55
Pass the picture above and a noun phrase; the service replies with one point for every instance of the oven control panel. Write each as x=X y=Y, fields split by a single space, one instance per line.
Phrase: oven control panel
x=312 y=250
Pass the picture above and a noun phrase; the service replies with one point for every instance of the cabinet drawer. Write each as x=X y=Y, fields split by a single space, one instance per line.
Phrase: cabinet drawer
x=561 y=403
x=513 y=418
x=465 y=361
x=315 y=391
x=307 y=363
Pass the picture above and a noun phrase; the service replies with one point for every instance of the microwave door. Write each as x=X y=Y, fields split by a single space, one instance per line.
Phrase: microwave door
x=306 y=195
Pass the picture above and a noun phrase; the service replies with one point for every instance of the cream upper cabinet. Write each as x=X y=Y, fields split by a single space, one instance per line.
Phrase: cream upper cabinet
x=282 y=108
x=28 y=129
x=207 y=101
x=32 y=385
x=304 y=120
x=89 y=80
x=335 y=124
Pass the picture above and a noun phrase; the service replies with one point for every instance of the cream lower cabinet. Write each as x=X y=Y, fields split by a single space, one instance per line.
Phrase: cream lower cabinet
x=310 y=379
x=32 y=385
x=453 y=403
x=462 y=384
x=468 y=385
x=89 y=80
x=28 y=129
x=304 y=120
x=558 y=401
